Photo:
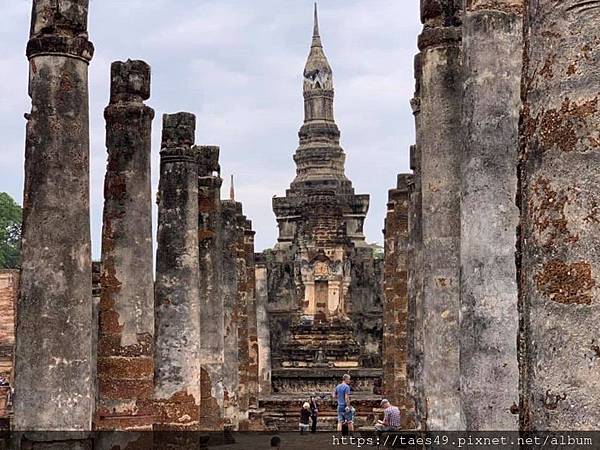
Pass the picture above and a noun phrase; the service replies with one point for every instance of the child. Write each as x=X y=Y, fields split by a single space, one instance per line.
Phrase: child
x=304 y=417
x=348 y=424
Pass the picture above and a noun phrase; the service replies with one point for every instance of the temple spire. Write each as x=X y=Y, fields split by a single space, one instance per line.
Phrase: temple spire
x=231 y=190
x=317 y=71
x=316 y=41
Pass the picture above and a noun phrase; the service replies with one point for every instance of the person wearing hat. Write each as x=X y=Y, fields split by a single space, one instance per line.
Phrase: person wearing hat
x=391 y=417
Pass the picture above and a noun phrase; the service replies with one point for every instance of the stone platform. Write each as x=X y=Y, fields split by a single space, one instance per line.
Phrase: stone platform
x=322 y=380
x=281 y=412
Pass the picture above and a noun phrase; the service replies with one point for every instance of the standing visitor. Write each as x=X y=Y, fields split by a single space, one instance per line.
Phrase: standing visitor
x=314 y=413
x=304 y=417
x=342 y=395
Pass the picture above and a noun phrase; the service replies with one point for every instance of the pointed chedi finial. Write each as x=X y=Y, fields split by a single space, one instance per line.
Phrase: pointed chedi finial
x=232 y=190
x=316 y=41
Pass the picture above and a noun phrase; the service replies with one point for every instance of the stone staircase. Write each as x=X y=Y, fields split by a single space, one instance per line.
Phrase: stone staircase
x=329 y=344
x=281 y=412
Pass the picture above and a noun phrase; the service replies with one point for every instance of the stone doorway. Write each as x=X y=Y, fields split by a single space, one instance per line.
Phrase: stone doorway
x=321 y=299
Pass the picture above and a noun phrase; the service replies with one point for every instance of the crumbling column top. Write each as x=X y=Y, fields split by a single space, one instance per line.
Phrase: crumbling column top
x=208 y=161
x=130 y=81
x=60 y=27
x=178 y=135
x=403 y=181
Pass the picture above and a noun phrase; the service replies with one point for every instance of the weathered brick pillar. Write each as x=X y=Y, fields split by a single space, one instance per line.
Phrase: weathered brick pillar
x=395 y=307
x=9 y=291
x=262 y=323
x=176 y=305
x=241 y=308
x=54 y=357
x=559 y=266
x=439 y=141
x=229 y=288
x=211 y=300
x=252 y=386
x=492 y=63
x=126 y=327
x=415 y=289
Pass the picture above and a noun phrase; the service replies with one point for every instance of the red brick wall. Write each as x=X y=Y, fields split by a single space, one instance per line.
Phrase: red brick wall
x=9 y=283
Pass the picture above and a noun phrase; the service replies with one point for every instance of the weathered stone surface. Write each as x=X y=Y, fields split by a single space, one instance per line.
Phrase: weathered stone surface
x=439 y=141
x=559 y=195
x=127 y=284
x=492 y=64
x=176 y=306
x=9 y=291
x=211 y=300
x=262 y=324
x=414 y=326
x=395 y=289
x=252 y=339
x=241 y=321
x=233 y=271
x=54 y=357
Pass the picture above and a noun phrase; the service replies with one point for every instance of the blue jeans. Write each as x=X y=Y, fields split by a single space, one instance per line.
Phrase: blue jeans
x=341 y=413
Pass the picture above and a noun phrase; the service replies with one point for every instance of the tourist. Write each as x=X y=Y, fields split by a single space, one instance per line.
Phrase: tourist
x=314 y=413
x=391 y=417
x=349 y=418
x=342 y=395
x=275 y=443
x=305 y=417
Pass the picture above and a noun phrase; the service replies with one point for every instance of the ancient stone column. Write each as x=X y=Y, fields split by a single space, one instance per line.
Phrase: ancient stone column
x=559 y=265
x=176 y=305
x=492 y=63
x=229 y=288
x=125 y=343
x=241 y=320
x=54 y=357
x=415 y=259
x=262 y=323
x=211 y=300
x=439 y=141
x=252 y=382
x=395 y=307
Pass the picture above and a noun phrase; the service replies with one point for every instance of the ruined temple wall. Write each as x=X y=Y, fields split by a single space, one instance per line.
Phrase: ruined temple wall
x=492 y=64
x=365 y=305
x=286 y=292
x=9 y=290
x=559 y=194
x=439 y=140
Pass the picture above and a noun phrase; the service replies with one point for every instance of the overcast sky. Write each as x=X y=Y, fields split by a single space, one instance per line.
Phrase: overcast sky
x=237 y=64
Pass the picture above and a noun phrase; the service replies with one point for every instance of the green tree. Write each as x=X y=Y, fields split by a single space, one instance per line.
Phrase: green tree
x=10 y=232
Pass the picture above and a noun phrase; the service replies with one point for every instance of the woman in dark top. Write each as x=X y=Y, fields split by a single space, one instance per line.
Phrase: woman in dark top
x=304 y=417
x=314 y=413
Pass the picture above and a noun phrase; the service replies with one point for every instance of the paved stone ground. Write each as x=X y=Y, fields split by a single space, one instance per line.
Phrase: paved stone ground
x=295 y=441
